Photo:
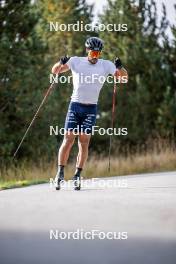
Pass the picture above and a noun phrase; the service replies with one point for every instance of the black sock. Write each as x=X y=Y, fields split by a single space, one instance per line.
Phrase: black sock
x=78 y=172
x=61 y=168
x=60 y=172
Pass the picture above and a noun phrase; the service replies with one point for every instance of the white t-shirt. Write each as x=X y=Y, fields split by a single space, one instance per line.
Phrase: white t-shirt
x=88 y=78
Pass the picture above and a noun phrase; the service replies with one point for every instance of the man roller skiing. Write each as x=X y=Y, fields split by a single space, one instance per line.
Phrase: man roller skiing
x=83 y=106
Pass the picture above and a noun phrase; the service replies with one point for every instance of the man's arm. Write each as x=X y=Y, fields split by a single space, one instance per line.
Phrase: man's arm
x=61 y=66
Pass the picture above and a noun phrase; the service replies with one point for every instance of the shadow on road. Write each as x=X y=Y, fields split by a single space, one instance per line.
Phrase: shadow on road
x=31 y=248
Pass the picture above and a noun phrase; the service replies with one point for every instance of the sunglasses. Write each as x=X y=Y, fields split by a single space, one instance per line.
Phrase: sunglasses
x=94 y=54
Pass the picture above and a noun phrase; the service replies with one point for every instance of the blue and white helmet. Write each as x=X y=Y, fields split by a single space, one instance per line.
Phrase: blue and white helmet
x=94 y=43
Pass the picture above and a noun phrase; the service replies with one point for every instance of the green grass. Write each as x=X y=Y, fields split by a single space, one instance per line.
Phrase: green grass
x=17 y=184
x=152 y=161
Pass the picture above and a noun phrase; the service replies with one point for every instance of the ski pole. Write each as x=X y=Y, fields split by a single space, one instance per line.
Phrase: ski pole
x=112 y=123
x=35 y=116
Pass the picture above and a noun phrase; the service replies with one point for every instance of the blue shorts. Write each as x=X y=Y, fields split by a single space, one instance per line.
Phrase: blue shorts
x=81 y=117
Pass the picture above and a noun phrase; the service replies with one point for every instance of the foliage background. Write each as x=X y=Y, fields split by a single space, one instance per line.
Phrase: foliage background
x=146 y=105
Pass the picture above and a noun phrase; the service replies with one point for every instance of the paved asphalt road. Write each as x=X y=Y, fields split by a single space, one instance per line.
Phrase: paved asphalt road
x=143 y=205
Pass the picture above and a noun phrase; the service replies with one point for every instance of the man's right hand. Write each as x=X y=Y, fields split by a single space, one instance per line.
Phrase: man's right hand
x=61 y=66
x=64 y=59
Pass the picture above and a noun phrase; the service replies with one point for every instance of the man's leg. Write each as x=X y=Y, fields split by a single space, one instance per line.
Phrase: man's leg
x=63 y=156
x=65 y=148
x=83 y=145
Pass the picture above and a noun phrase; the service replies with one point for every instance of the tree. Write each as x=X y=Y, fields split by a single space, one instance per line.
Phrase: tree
x=143 y=51
x=21 y=52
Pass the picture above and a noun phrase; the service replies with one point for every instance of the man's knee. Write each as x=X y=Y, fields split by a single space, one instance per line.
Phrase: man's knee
x=83 y=141
x=68 y=141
